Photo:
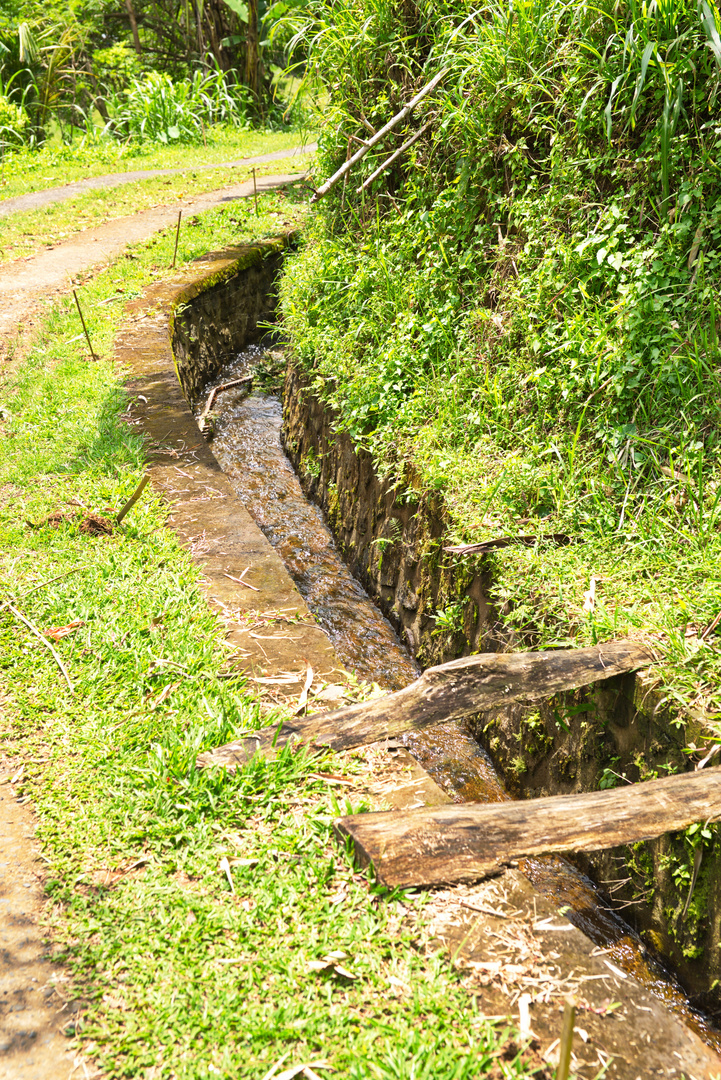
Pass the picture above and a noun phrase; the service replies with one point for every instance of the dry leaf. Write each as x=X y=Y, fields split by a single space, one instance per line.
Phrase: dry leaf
x=589 y=597
x=344 y=972
x=330 y=778
x=331 y=692
x=225 y=869
x=63 y=631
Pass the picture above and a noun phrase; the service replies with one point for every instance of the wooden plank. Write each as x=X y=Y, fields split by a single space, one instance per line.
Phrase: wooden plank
x=447 y=692
x=449 y=844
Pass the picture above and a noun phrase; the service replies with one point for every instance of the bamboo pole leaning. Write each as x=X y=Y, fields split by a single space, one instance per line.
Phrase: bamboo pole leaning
x=405 y=111
x=389 y=160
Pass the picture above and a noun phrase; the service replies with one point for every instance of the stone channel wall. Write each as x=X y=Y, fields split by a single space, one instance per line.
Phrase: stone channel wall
x=215 y=319
x=392 y=538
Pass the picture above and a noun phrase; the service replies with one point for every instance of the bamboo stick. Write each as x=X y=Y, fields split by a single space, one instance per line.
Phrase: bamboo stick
x=389 y=161
x=347 y=165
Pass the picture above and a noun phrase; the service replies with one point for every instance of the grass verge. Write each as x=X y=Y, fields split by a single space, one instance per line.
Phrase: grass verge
x=519 y=315
x=36 y=170
x=189 y=970
x=32 y=231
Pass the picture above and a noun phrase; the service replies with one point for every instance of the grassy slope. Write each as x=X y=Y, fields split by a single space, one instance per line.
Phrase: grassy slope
x=133 y=836
x=522 y=312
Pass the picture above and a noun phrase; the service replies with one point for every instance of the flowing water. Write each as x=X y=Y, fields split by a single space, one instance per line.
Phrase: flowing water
x=247 y=444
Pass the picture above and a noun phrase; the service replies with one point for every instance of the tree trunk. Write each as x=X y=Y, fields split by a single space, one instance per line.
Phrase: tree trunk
x=134 y=26
x=252 y=49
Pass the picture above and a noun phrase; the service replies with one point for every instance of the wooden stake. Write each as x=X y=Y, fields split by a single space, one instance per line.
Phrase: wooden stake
x=564 y=1062
x=447 y=692
x=85 y=329
x=133 y=499
x=177 y=237
x=255 y=194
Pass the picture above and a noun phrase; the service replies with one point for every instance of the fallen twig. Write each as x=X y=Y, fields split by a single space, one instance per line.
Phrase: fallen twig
x=560 y=539
x=217 y=390
x=240 y=580
x=674 y=474
x=51 y=580
x=41 y=637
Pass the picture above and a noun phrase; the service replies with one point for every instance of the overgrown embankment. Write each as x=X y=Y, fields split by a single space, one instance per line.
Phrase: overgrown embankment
x=520 y=314
x=517 y=321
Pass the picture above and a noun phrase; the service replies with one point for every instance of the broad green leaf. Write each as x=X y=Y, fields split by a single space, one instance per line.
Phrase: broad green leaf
x=239 y=8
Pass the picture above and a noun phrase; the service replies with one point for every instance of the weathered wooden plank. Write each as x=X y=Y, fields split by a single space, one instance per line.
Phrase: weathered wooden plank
x=447 y=692
x=466 y=842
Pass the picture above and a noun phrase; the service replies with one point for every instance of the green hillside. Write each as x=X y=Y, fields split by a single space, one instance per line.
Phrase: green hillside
x=521 y=311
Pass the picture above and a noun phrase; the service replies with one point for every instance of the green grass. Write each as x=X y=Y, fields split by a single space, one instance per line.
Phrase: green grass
x=521 y=316
x=55 y=165
x=141 y=911
x=31 y=231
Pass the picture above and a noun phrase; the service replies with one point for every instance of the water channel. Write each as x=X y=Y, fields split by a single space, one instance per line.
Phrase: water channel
x=246 y=441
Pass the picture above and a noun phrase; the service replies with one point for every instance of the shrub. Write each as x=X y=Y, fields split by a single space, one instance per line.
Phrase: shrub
x=156 y=108
x=15 y=124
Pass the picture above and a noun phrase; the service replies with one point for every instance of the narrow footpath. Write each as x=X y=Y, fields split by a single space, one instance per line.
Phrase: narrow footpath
x=35 y=200
x=43 y=277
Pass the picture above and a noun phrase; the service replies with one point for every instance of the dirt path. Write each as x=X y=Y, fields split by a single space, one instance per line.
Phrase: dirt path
x=35 y=1015
x=25 y=282
x=35 y=200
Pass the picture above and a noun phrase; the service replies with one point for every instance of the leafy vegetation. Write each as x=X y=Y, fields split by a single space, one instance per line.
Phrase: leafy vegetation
x=522 y=311
x=156 y=71
x=189 y=970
